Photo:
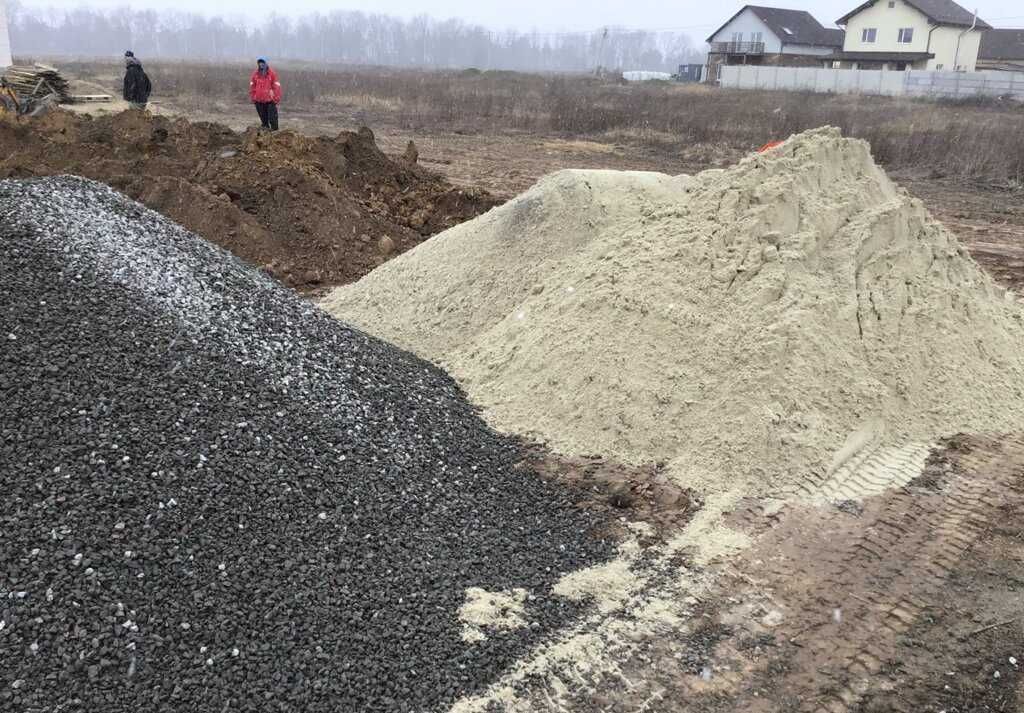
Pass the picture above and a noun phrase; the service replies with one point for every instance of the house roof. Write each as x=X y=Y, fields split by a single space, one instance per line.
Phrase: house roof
x=940 y=12
x=792 y=27
x=1002 y=44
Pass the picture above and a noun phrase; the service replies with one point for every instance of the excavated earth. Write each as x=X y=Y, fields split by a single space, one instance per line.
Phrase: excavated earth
x=311 y=211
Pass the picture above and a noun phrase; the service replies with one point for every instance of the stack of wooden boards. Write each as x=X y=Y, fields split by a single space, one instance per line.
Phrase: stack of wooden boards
x=37 y=82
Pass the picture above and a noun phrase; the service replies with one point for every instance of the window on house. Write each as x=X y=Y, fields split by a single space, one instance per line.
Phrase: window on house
x=868 y=34
x=939 y=66
x=737 y=36
x=892 y=4
x=906 y=35
x=787 y=30
x=756 y=37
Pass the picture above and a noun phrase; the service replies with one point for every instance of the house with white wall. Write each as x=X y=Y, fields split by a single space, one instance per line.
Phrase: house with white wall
x=910 y=34
x=771 y=35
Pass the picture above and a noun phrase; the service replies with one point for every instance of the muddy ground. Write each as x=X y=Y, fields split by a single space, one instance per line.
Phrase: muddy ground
x=642 y=493
x=907 y=602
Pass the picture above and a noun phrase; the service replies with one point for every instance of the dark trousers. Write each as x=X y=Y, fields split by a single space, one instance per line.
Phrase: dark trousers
x=268 y=114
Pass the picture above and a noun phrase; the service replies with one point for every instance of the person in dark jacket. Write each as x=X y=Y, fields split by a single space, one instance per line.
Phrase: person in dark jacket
x=136 y=83
x=265 y=93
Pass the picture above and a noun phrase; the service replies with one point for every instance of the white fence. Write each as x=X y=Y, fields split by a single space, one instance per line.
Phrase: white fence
x=965 y=84
x=874 y=81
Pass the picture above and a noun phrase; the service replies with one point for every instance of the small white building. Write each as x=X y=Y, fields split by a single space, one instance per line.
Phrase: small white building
x=910 y=34
x=5 y=38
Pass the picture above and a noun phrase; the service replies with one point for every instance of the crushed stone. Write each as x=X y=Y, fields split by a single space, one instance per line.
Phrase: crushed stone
x=218 y=498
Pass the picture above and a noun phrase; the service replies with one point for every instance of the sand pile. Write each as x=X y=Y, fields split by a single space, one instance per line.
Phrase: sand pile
x=751 y=325
x=310 y=210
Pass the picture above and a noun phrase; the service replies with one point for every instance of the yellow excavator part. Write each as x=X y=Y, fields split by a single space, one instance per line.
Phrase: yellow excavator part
x=9 y=101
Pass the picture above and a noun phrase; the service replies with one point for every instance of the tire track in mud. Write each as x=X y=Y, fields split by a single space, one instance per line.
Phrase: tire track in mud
x=860 y=576
x=813 y=616
x=873 y=471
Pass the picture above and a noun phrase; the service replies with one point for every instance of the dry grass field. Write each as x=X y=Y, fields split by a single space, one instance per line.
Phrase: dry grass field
x=965 y=140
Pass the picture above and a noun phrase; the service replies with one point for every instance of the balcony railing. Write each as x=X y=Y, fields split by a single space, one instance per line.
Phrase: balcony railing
x=737 y=47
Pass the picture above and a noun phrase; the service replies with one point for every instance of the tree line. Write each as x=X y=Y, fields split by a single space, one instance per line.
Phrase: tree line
x=339 y=37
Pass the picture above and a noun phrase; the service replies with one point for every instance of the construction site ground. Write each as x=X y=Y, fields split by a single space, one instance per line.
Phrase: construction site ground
x=987 y=217
x=912 y=601
x=310 y=210
x=908 y=600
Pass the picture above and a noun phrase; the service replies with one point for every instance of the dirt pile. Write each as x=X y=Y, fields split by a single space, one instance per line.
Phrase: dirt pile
x=311 y=211
x=219 y=498
x=751 y=326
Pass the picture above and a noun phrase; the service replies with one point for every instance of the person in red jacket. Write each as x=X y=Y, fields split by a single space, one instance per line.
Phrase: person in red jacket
x=265 y=93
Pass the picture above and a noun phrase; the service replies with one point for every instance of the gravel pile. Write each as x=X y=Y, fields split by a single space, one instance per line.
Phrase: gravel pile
x=218 y=498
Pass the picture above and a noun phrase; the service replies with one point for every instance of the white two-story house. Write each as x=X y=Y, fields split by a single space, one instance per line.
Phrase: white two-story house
x=910 y=34
x=771 y=35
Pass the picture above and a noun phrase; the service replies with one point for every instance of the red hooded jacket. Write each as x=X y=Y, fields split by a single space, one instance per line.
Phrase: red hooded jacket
x=265 y=87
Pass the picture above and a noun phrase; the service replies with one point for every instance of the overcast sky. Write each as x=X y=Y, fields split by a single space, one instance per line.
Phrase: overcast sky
x=694 y=17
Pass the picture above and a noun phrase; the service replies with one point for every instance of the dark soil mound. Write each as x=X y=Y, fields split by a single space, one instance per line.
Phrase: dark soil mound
x=218 y=498
x=312 y=211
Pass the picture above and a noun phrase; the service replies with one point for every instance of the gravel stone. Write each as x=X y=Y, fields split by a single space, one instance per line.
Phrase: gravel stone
x=168 y=413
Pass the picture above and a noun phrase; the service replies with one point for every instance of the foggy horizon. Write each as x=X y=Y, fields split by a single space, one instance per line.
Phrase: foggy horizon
x=697 y=20
x=391 y=34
